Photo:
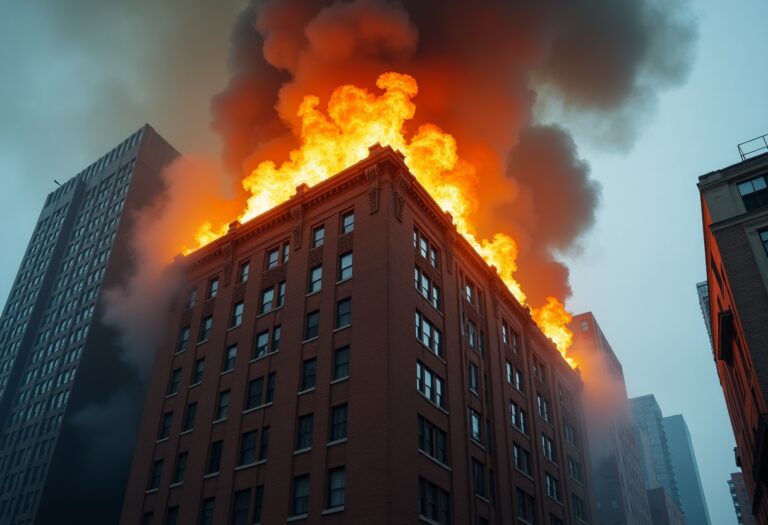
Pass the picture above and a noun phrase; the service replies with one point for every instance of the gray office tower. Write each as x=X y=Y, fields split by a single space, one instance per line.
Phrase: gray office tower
x=694 y=505
x=69 y=405
x=648 y=421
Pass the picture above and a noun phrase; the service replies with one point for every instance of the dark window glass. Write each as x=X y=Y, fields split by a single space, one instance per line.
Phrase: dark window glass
x=230 y=356
x=157 y=472
x=754 y=192
x=241 y=507
x=264 y=444
x=273 y=258
x=337 y=478
x=191 y=299
x=173 y=384
x=315 y=279
x=205 y=328
x=271 y=378
x=222 y=409
x=341 y=362
x=197 y=374
x=165 y=426
x=258 y=504
x=214 y=457
x=522 y=458
x=183 y=339
x=189 y=416
x=348 y=222
x=434 y=502
x=338 y=428
x=312 y=328
x=525 y=506
x=318 y=236
x=345 y=266
x=344 y=312
x=245 y=269
x=304 y=432
x=262 y=344
x=248 y=448
x=430 y=384
x=433 y=441
x=300 y=495
x=475 y=426
x=206 y=511
x=478 y=477
x=267 y=300
x=474 y=378
x=237 y=315
x=213 y=287
x=276 y=333
x=308 y=373
x=181 y=467
x=255 y=389
x=172 y=516
x=281 y=293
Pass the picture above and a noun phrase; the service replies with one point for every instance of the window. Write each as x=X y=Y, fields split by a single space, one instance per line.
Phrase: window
x=206 y=511
x=264 y=444
x=337 y=478
x=189 y=416
x=579 y=509
x=271 y=378
x=181 y=467
x=318 y=236
x=213 y=288
x=522 y=458
x=262 y=344
x=505 y=332
x=315 y=279
x=347 y=222
x=247 y=448
x=764 y=240
x=566 y=399
x=428 y=334
x=267 y=300
x=539 y=369
x=475 y=426
x=281 y=293
x=157 y=472
x=191 y=299
x=574 y=470
x=172 y=516
x=300 y=504
x=552 y=485
x=345 y=266
x=276 y=333
x=165 y=426
x=286 y=252
x=173 y=383
x=312 y=327
x=222 y=409
x=241 y=507
x=544 y=409
x=471 y=334
x=474 y=378
x=273 y=258
x=344 y=313
x=469 y=291
x=341 y=363
x=548 y=448
x=205 y=328
x=754 y=192
x=183 y=339
x=245 y=268
x=214 y=457
x=258 y=504
x=433 y=441
x=430 y=385
x=255 y=389
x=237 y=315
x=517 y=379
x=570 y=434
x=526 y=507
x=478 y=477
x=338 y=425
x=434 y=502
x=426 y=248
x=308 y=373
x=517 y=417
x=304 y=432
x=427 y=287
x=197 y=373
x=554 y=520
x=584 y=326
x=516 y=342
x=230 y=355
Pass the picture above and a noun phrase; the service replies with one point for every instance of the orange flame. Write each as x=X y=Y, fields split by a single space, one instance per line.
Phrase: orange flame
x=356 y=119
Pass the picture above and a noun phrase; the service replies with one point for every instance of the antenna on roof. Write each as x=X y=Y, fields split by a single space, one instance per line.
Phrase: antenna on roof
x=57 y=182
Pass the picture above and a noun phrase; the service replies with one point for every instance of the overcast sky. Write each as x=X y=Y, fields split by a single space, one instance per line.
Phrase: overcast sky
x=72 y=87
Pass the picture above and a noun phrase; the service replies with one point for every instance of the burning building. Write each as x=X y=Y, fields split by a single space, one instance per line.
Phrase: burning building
x=347 y=356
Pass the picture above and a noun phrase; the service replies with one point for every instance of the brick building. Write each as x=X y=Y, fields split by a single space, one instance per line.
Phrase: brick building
x=347 y=358
x=734 y=203
x=664 y=511
x=741 y=500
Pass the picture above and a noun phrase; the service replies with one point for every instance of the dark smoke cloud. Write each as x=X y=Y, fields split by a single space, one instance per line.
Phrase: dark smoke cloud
x=483 y=70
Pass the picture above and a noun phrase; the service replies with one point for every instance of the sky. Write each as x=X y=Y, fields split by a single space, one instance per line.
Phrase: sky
x=70 y=90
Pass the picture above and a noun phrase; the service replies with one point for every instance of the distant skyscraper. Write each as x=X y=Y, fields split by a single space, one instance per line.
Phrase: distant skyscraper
x=703 y=291
x=648 y=420
x=742 y=503
x=663 y=509
x=734 y=207
x=617 y=470
x=68 y=407
x=694 y=504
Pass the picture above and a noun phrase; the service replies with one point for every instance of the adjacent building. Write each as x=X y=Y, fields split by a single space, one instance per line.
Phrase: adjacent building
x=664 y=511
x=734 y=204
x=61 y=453
x=346 y=357
x=619 y=489
x=702 y=291
x=692 y=500
x=742 y=504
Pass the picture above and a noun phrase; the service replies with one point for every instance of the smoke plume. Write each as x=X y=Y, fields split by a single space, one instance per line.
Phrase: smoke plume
x=482 y=71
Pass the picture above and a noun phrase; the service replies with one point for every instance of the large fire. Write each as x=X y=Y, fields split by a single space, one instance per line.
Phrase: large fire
x=354 y=120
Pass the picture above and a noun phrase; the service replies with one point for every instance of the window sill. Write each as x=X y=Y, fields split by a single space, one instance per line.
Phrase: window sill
x=261 y=462
x=225 y=372
x=229 y=329
x=297 y=517
x=270 y=311
x=302 y=451
x=555 y=500
x=151 y=491
x=254 y=409
x=477 y=443
x=524 y=473
x=332 y=510
x=161 y=440
x=336 y=442
x=306 y=391
x=247 y=465
x=185 y=432
x=428 y=520
x=196 y=383
x=339 y=380
x=211 y=475
x=482 y=498
x=340 y=328
x=177 y=484
x=344 y=280
x=202 y=341
x=315 y=292
x=434 y=460
x=217 y=421
x=259 y=358
x=315 y=338
x=168 y=396
x=179 y=352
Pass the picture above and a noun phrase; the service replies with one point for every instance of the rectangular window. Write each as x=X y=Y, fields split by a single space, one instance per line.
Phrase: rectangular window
x=315 y=279
x=754 y=192
x=281 y=293
x=475 y=426
x=222 y=408
x=427 y=287
x=255 y=389
x=304 y=432
x=205 y=328
x=308 y=374
x=574 y=470
x=237 y=315
x=526 y=506
x=566 y=399
x=347 y=222
x=214 y=457
x=181 y=467
x=433 y=441
x=548 y=448
x=276 y=334
x=554 y=520
x=241 y=507
x=471 y=334
x=505 y=332
x=345 y=266
x=341 y=363
x=230 y=355
x=516 y=342
x=312 y=327
x=517 y=380
x=213 y=288
x=264 y=444
x=206 y=511
x=271 y=378
x=248 y=448
x=338 y=427
x=552 y=485
x=189 y=416
x=165 y=426
x=544 y=409
x=300 y=505
x=183 y=339
x=273 y=258
x=267 y=300
x=426 y=248
x=430 y=385
x=245 y=269
x=172 y=516
x=579 y=508
x=539 y=369
x=318 y=236
x=434 y=503
x=428 y=334
x=173 y=383
x=522 y=458
x=157 y=472
x=258 y=504
x=474 y=378
x=570 y=434
x=344 y=313
x=337 y=478
x=262 y=344
x=478 y=477
x=191 y=299
x=286 y=252
x=469 y=291
x=518 y=417
x=197 y=373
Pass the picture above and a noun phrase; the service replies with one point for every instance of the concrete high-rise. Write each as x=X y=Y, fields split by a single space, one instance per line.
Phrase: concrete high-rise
x=692 y=500
x=65 y=440
x=619 y=487
x=649 y=421
x=347 y=357
x=734 y=207
x=664 y=511
x=742 y=504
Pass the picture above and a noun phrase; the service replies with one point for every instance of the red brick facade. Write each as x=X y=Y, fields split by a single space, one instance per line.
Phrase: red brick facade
x=411 y=450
